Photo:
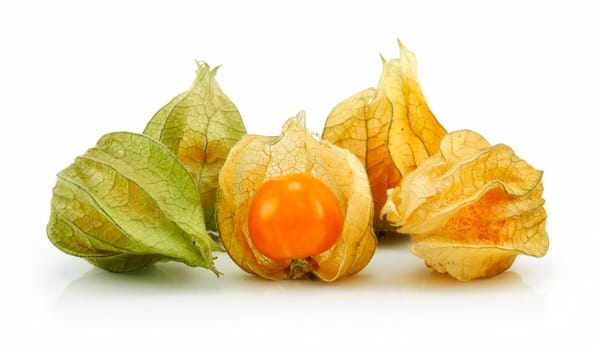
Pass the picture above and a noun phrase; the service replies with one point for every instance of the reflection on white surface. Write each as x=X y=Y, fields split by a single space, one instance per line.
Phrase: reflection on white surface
x=395 y=300
x=396 y=288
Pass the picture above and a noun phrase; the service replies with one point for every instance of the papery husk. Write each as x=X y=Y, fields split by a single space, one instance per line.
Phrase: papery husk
x=127 y=203
x=200 y=126
x=471 y=208
x=390 y=129
x=254 y=160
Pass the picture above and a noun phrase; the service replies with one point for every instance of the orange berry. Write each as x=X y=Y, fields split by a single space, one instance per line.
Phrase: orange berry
x=294 y=216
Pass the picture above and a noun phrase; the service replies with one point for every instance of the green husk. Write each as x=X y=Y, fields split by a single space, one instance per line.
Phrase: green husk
x=200 y=126
x=129 y=202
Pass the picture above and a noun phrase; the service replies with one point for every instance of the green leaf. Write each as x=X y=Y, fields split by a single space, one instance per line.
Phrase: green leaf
x=200 y=126
x=127 y=203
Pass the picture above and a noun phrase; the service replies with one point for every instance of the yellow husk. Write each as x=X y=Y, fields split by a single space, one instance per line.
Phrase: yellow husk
x=254 y=160
x=471 y=208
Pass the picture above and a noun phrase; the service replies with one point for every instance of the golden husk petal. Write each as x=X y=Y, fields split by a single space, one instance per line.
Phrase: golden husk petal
x=471 y=208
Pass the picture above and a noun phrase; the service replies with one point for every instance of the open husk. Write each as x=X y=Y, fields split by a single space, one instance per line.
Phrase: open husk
x=254 y=160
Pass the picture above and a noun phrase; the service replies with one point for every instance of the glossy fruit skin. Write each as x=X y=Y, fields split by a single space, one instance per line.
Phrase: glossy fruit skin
x=294 y=216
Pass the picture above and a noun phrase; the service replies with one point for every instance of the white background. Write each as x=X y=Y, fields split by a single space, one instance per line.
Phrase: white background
x=520 y=73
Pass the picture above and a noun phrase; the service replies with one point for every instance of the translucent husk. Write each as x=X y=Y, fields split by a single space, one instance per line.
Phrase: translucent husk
x=200 y=126
x=471 y=208
x=390 y=129
x=254 y=160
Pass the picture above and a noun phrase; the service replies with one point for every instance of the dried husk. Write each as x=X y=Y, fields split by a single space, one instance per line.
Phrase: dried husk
x=471 y=208
x=254 y=160
x=390 y=129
